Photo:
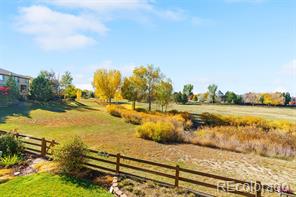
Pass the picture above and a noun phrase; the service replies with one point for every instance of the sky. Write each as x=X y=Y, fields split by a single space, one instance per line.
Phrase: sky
x=240 y=45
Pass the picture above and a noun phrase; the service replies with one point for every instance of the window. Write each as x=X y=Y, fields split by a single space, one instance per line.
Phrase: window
x=23 y=88
x=1 y=77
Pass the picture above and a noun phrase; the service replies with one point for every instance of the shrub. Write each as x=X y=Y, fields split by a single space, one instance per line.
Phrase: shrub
x=70 y=156
x=181 y=120
x=9 y=160
x=247 y=139
x=114 y=110
x=159 y=132
x=10 y=145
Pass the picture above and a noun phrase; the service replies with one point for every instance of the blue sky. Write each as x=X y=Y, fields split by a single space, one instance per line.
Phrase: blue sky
x=241 y=45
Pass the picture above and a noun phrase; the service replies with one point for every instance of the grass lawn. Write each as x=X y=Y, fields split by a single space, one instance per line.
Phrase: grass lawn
x=104 y=132
x=45 y=184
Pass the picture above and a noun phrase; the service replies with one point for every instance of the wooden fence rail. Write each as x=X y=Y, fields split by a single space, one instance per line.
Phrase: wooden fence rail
x=119 y=165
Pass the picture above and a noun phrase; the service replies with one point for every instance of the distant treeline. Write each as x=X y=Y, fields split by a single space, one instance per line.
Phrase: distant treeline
x=213 y=95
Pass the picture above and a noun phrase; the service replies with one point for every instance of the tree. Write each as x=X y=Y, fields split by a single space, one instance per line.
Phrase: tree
x=220 y=97
x=187 y=89
x=212 y=93
x=252 y=98
x=180 y=98
x=106 y=83
x=54 y=81
x=78 y=94
x=164 y=92
x=70 y=92
x=132 y=89
x=66 y=80
x=150 y=76
x=287 y=97
x=87 y=94
x=13 y=91
x=230 y=97
x=41 y=89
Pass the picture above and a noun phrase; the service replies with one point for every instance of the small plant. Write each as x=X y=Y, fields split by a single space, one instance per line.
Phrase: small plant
x=8 y=161
x=70 y=156
x=10 y=145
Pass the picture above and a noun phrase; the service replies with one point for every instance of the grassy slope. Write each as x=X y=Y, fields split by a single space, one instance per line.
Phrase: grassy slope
x=50 y=185
x=102 y=131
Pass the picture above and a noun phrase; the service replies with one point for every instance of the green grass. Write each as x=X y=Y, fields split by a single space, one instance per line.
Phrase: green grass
x=45 y=184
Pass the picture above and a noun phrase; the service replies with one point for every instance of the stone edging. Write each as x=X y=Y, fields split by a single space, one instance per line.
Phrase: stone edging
x=114 y=188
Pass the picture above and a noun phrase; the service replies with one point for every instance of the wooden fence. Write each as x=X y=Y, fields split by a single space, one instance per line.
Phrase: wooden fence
x=120 y=164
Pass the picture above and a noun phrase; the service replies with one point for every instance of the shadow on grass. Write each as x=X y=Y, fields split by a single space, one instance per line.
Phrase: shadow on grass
x=78 y=182
x=24 y=108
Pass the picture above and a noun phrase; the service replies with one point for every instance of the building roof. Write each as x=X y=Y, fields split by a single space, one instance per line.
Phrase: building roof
x=6 y=72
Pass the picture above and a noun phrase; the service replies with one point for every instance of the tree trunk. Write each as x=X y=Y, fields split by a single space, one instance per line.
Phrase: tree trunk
x=149 y=102
x=110 y=99
x=133 y=105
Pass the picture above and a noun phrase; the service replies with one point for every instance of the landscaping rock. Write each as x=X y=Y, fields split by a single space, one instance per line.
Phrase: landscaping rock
x=16 y=173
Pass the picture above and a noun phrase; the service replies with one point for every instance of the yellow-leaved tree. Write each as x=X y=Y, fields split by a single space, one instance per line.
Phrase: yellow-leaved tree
x=78 y=94
x=106 y=83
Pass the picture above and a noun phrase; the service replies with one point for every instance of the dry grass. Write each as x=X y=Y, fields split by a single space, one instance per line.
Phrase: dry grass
x=231 y=120
x=47 y=166
x=135 y=188
x=247 y=140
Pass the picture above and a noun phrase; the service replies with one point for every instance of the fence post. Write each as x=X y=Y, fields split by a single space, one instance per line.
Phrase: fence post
x=43 y=147
x=117 y=163
x=177 y=176
x=258 y=189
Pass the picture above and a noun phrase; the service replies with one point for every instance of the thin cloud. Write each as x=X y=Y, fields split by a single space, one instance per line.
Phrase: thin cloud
x=104 y=5
x=59 y=30
x=245 y=1
x=289 y=68
x=54 y=30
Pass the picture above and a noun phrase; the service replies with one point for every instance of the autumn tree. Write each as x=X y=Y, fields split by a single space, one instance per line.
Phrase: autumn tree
x=164 y=92
x=133 y=89
x=150 y=76
x=106 y=83
x=252 y=98
x=212 y=89
x=78 y=94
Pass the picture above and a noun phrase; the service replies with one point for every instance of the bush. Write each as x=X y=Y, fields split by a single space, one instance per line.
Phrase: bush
x=70 y=156
x=180 y=120
x=114 y=110
x=8 y=161
x=10 y=145
x=247 y=139
x=159 y=132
